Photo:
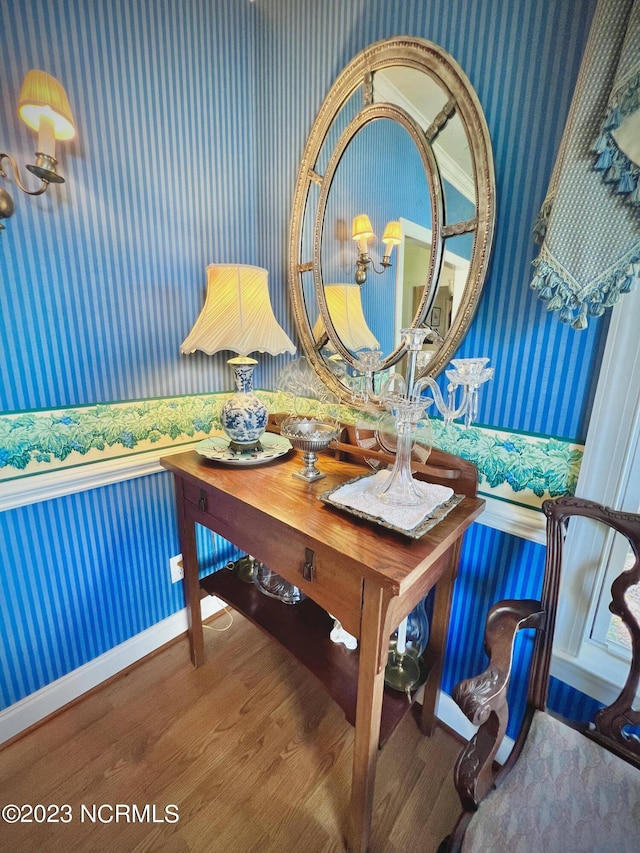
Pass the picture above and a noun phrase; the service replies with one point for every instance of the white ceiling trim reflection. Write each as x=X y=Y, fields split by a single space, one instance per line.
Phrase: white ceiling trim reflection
x=424 y=102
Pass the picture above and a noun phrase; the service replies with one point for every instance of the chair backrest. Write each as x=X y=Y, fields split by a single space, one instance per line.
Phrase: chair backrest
x=483 y=699
x=614 y=726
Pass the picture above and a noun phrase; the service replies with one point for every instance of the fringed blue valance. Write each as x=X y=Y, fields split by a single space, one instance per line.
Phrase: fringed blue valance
x=573 y=303
x=589 y=223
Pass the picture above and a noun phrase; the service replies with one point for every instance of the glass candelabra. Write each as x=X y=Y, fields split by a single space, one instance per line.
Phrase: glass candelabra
x=405 y=400
x=466 y=373
x=400 y=487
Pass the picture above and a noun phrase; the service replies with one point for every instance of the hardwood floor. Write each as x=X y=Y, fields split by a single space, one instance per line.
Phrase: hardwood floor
x=248 y=750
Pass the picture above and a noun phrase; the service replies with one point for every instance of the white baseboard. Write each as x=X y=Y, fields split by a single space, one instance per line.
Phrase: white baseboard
x=30 y=710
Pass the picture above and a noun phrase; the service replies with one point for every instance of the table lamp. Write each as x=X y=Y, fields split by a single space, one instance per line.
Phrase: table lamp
x=237 y=316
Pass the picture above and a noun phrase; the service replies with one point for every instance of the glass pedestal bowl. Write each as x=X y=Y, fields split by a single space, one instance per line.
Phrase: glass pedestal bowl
x=275 y=586
x=310 y=435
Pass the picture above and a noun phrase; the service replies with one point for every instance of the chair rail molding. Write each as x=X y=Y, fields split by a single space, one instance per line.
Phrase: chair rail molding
x=50 y=453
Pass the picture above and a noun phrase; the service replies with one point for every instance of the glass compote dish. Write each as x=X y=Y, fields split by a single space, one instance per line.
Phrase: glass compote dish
x=312 y=421
x=275 y=586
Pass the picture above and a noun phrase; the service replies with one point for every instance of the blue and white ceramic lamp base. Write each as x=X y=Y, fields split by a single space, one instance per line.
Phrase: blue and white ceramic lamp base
x=243 y=416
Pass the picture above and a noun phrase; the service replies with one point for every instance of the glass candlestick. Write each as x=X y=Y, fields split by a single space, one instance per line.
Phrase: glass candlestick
x=400 y=487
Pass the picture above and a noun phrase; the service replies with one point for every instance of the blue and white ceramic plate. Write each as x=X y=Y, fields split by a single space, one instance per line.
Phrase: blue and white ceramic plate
x=216 y=447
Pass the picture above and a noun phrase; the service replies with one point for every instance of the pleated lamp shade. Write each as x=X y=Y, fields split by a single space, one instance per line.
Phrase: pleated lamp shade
x=361 y=227
x=237 y=314
x=344 y=302
x=41 y=97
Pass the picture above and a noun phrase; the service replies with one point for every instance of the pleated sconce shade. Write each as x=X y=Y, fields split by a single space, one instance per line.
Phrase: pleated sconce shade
x=344 y=302
x=237 y=314
x=43 y=97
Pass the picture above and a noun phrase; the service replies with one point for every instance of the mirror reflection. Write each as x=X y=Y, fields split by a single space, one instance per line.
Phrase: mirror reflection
x=381 y=174
x=401 y=138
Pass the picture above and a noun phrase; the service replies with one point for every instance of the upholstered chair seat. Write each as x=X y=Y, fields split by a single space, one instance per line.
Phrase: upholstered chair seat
x=565 y=793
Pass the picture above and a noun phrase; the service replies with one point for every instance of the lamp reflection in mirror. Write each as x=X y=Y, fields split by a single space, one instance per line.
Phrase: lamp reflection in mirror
x=43 y=106
x=362 y=233
x=237 y=316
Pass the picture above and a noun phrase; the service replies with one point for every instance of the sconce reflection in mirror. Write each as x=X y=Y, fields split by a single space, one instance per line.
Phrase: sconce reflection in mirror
x=42 y=106
x=362 y=233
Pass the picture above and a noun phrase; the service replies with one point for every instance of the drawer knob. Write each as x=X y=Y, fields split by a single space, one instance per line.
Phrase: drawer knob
x=202 y=502
x=309 y=565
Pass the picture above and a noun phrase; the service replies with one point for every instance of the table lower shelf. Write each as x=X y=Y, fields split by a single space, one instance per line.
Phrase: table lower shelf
x=303 y=630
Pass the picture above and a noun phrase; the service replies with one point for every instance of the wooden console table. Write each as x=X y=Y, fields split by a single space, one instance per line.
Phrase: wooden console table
x=368 y=577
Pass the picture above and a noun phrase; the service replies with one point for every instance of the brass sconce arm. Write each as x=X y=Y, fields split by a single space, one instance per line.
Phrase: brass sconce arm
x=364 y=261
x=46 y=175
x=45 y=180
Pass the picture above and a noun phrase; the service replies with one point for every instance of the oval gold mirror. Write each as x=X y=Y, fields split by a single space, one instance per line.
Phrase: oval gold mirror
x=400 y=137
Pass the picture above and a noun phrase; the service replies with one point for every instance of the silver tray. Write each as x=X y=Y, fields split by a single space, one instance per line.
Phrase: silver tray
x=427 y=523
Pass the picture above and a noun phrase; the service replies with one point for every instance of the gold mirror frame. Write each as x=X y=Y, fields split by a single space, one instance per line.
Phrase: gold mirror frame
x=462 y=101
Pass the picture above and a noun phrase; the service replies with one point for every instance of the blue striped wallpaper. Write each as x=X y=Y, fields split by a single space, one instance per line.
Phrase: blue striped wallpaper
x=107 y=271
x=192 y=116
x=83 y=573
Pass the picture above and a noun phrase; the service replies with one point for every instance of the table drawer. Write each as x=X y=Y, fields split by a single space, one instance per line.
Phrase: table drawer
x=318 y=570
x=332 y=586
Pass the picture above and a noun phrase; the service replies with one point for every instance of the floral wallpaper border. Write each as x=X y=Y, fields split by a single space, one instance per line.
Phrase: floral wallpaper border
x=516 y=467
x=36 y=442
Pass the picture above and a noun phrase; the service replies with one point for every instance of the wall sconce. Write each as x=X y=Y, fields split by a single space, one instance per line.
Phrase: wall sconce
x=362 y=233
x=42 y=106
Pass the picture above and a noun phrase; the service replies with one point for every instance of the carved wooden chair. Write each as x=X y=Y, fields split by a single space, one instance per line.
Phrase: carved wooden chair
x=565 y=786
